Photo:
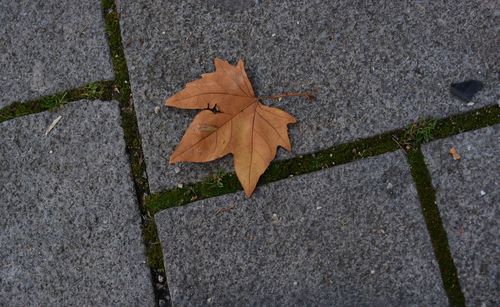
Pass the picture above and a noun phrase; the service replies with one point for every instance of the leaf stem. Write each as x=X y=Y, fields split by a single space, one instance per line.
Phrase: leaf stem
x=308 y=95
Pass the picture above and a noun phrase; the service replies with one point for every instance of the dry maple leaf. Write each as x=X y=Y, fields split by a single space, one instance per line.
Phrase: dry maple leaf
x=233 y=121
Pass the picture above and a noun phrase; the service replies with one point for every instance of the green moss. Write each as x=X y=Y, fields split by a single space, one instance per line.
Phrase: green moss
x=472 y=120
x=98 y=90
x=224 y=184
x=112 y=27
x=418 y=133
x=93 y=91
x=122 y=93
x=153 y=246
x=133 y=142
x=435 y=227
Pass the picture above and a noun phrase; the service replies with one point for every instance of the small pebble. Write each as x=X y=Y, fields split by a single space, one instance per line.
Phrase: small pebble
x=209 y=300
x=483 y=193
x=295 y=283
x=389 y=185
x=180 y=185
x=273 y=35
x=50 y=151
x=160 y=278
x=177 y=170
x=372 y=272
x=470 y=104
x=319 y=208
x=157 y=110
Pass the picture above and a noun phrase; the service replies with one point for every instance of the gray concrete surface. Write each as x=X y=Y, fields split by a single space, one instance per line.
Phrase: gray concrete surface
x=69 y=222
x=352 y=235
x=50 y=46
x=375 y=66
x=468 y=197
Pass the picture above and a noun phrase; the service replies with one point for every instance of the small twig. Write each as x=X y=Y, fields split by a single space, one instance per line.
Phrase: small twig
x=54 y=123
x=308 y=95
x=397 y=142
x=222 y=210
x=405 y=148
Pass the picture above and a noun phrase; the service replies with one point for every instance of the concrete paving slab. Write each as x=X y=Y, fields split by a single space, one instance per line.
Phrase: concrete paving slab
x=69 y=224
x=375 y=66
x=50 y=46
x=352 y=235
x=468 y=197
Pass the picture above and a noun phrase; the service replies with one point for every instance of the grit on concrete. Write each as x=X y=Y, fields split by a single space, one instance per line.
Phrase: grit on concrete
x=50 y=46
x=69 y=222
x=468 y=197
x=352 y=235
x=374 y=66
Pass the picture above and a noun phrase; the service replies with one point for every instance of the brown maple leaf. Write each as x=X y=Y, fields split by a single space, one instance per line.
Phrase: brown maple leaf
x=233 y=121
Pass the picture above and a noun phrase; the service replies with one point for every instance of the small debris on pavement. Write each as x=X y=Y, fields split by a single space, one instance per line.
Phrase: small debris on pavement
x=466 y=90
x=157 y=110
x=228 y=208
x=470 y=104
x=180 y=185
x=54 y=123
x=177 y=170
x=274 y=219
x=483 y=193
x=454 y=154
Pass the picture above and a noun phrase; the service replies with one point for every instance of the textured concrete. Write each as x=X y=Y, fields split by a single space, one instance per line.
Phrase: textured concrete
x=69 y=225
x=352 y=235
x=468 y=197
x=375 y=65
x=50 y=46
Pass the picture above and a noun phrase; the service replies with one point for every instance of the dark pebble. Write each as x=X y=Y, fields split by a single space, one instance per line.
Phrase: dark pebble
x=466 y=90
